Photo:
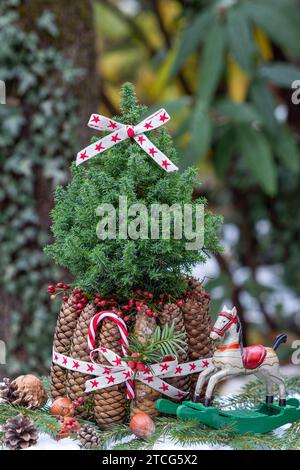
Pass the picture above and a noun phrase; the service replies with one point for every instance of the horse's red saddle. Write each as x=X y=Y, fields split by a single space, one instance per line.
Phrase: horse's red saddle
x=254 y=356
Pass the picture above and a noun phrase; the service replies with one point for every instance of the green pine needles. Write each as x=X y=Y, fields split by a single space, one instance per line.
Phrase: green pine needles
x=120 y=265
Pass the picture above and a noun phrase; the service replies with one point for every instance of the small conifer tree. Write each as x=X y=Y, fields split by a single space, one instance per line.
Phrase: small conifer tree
x=118 y=266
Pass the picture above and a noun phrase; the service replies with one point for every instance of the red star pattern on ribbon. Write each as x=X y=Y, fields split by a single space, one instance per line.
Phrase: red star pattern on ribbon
x=127 y=374
x=192 y=366
x=55 y=357
x=148 y=125
x=99 y=147
x=164 y=367
x=205 y=363
x=90 y=368
x=115 y=138
x=110 y=380
x=106 y=370
x=178 y=370
x=117 y=362
x=165 y=164
x=112 y=125
x=96 y=119
x=65 y=362
x=164 y=387
x=141 y=139
x=94 y=383
x=152 y=151
x=149 y=379
x=75 y=365
x=83 y=155
x=163 y=117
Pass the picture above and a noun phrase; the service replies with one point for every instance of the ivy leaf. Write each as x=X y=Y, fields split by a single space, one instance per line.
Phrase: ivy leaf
x=191 y=39
x=212 y=63
x=256 y=151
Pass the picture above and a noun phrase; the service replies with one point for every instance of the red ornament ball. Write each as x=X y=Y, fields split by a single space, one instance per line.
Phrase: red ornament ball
x=142 y=425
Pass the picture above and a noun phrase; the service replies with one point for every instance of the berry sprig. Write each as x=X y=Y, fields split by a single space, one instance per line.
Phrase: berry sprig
x=79 y=300
x=60 y=288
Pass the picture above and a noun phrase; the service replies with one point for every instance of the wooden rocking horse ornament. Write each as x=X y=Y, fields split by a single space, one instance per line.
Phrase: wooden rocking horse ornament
x=231 y=359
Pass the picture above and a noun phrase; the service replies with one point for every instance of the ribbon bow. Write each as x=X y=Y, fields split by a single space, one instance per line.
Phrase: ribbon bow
x=122 y=132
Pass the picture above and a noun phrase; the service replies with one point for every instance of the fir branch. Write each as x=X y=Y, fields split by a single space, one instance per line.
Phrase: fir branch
x=164 y=342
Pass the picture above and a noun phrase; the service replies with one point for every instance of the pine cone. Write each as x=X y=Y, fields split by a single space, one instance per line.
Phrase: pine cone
x=65 y=327
x=88 y=436
x=145 y=396
x=167 y=317
x=26 y=390
x=20 y=433
x=110 y=401
x=75 y=386
x=197 y=322
x=7 y=391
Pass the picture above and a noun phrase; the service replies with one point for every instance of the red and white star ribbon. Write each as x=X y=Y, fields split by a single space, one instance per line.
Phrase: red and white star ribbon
x=119 y=372
x=122 y=132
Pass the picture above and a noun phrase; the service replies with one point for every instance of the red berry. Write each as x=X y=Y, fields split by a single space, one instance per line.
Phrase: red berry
x=148 y=311
x=206 y=296
x=126 y=318
x=132 y=365
x=126 y=308
x=65 y=298
x=168 y=358
x=154 y=315
x=138 y=291
x=51 y=289
x=145 y=293
x=140 y=367
x=139 y=308
x=179 y=303
x=160 y=303
x=150 y=295
x=119 y=313
x=170 y=309
x=80 y=306
x=135 y=354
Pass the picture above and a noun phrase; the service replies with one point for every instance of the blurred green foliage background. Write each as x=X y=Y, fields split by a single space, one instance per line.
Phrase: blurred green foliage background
x=224 y=70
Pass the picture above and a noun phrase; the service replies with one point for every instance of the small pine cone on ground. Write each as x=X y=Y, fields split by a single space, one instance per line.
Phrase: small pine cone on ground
x=171 y=313
x=88 y=436
x=197 y=322
x=145 y=396
x=20 y=433
x=75 y=386
x=65 y=327
x=109 y=402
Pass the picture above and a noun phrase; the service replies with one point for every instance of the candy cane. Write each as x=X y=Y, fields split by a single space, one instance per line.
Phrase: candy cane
x=96 y=319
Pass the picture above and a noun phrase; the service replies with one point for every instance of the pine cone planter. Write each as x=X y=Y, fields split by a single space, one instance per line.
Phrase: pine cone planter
x=75 y=381
x=145 y=396
x=107 y=406
x=20 y=433
x=197 y=323
x=65 y=327
x=171 y=313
